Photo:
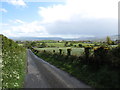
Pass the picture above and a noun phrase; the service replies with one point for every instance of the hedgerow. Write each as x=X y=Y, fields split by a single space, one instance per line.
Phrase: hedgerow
x=13 y=64
x=100 y=70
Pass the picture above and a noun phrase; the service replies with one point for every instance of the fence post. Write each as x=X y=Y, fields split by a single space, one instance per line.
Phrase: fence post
x=44 y=51
x=87 y=53
x=68 y=52
x=60 y=50
x=53 y=51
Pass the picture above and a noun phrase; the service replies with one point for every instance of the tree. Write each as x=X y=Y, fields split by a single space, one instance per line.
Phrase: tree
x=33 y=44
x=80 y=45
x=74 y=45
x=27 y=44
x=43 y=45
x=108 y=40
x=66 y=44
x=71 y=44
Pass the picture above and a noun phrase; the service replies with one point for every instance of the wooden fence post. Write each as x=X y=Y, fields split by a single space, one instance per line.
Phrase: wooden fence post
x=44 y=51
x=68 y=52
x=53 y=51
x=87 y=54
x=60 y=50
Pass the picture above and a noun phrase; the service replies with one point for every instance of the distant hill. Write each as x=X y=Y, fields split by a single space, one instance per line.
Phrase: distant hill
x=114 y=37
x=50 y=38
x=35 y=38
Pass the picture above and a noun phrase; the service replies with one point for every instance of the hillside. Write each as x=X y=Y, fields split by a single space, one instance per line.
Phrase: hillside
x=35 y=38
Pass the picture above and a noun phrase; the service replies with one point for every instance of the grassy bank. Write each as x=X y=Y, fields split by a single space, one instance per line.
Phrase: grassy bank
x=13 y=64
x=99 y=76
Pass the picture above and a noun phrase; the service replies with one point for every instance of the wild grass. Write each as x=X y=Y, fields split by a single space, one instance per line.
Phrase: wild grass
x=13 y=64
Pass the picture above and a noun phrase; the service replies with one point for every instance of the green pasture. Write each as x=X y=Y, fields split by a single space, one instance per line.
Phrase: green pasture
x=62 y=44
x=20 y=44
x=55 y=44
x=84 y=44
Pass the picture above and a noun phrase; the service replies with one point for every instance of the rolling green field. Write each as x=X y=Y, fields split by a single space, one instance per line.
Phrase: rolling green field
x=75 y=51
x=20 y=44
x=55 y=44
x=62 y=44
x=84 y=44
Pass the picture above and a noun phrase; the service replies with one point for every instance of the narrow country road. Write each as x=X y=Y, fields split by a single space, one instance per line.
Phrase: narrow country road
x=44 y=75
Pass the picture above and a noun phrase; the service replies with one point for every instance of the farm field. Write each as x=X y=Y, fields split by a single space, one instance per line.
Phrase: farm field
x=75 y=51
x=55 y=44
x=62 y=44
x=20 y=44
x=84 y=44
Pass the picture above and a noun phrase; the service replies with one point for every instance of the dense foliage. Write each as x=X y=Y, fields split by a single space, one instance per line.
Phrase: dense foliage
x=13 y=64
x=101 y=69
x=74 y=51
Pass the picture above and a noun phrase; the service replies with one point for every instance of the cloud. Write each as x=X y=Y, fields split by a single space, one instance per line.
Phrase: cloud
x=24 y=29
x=81 y=18
x=82 y=8
x=3 y=10
x=17 y=21
x=3 y=24
x=54 y=13
x=75 y=18
x=88 y=27
x=17 y=2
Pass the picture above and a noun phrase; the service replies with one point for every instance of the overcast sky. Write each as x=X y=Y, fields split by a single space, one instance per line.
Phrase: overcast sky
x=67 y=19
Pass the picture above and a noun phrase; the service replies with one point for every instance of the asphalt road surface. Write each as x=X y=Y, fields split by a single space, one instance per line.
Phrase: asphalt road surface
x=41 y=74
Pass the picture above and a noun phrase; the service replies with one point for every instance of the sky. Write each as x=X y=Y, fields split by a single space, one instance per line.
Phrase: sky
x=58 y=18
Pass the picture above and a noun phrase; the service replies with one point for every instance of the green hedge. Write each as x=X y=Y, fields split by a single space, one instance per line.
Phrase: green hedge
x=13 y=64
x=95 y=74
